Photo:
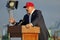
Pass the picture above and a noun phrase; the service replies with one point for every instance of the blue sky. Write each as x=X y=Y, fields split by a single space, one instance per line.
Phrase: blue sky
x=50 y=10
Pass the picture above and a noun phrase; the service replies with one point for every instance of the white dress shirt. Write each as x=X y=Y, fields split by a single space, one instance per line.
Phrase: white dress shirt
x=31 y=15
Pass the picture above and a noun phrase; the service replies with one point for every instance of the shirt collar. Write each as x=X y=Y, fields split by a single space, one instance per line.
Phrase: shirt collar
x=32 y=11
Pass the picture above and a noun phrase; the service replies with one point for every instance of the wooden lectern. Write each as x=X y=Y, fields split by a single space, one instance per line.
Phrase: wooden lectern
x=30 y=33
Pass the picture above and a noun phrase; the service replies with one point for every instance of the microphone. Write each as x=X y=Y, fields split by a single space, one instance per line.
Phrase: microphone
x=20 y=22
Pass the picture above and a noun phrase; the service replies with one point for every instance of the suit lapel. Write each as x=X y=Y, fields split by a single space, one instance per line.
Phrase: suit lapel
x=33 y=16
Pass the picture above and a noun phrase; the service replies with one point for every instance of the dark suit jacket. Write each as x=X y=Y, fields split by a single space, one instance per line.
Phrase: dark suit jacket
x=37 y=20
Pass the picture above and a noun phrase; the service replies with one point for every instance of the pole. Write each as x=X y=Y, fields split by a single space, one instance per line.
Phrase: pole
x=10 y=11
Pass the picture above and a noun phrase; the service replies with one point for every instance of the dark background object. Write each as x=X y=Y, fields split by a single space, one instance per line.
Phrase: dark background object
x=15 y=31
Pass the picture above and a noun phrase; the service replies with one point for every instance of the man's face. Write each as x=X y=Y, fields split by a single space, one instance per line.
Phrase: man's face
x=29 y=10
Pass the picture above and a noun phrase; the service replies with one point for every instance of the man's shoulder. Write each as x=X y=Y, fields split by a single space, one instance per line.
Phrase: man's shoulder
x=38 y=10
x=26 y=15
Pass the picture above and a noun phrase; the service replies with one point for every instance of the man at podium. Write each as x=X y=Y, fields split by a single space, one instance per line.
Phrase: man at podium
x=34 y=18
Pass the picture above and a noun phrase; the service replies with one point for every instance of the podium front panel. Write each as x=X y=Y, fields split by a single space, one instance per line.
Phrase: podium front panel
x=30 y=36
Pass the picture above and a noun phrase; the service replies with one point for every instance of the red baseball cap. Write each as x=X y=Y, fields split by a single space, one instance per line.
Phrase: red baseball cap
x=28 y=4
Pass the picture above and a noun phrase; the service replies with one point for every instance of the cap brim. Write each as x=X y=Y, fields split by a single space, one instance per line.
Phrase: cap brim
x=24 y=7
